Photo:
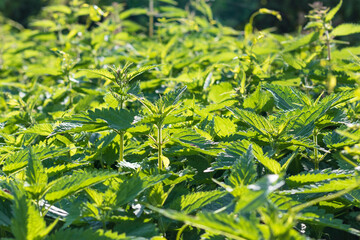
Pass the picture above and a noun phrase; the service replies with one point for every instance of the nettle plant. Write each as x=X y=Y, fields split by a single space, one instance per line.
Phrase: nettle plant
x=159 y=114
x=117 y=118
x=203 y=146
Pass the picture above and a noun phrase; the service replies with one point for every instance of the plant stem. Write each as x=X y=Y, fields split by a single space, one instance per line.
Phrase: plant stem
x=328 y=45
x=151 y=18
x=316 y=151
x=121 y=157
x=159 y=143
x=348 y=160
x=178 y=235
x=69 y=86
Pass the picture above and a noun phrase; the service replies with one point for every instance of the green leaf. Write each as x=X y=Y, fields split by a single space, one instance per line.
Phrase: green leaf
x=259 y=123
x=193 y=201
x=318 y=176
x=36 y=175
x=243 y=171
x=288 y=98
x=293 y=61
x=272 y=165
x=228 y=225
x=301 y=41
x=133 y=186
x=227 y=158
x=76 y=125
x=58 y=8
x=18 y=160
x=258 y=101
x=330 y=15
x=255 y=195
x=220 y=92
x=130 y=76
x=303 y=124
x=43 y=24
x=61 y=168
x=88 y=234
x=336 y=140
x=27 y=224
x=172 y=98
x=224 y=126
x=324 y=186
x=193 y=141
x=76 y=182
x=43 y=129
x=346 y=29
x=132 y=12
x=319 y=217
x=119 y=119
x=90 y=73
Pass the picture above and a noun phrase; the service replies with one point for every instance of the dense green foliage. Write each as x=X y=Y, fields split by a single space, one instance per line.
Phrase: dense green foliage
x=199 y=131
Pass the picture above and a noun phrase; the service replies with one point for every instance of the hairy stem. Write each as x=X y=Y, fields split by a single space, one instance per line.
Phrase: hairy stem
x=328 y=45
x=316 y=151
x=159 y=143
x=181 y=230
x=121 y=154
x=151 y=18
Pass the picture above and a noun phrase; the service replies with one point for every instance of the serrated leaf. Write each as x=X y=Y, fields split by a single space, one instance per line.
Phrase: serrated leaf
x=194 y=141
x=227 y=158
x=318 y=217
x=19 y=159
x=330 y=15
x=259 y=123
x=255 y=195
x=132 y=12
x=36 y=176
x=293 y=61
x=71 y=184
x=346 y=29
x=272 y=165
x=43 y=129
x=130 y=188
x=90 y=73
x=304 y=122
x=27 y=224
x=60 y=168
x=318 y=176
x=221 y=224
x=287 y=98
x=89 y=234
x=133 y=74
x=119 y=119
x=243 y=171
x=301 y=41
x=193 y=201
x=224 y=126
x=172 y=98
x=336 y=140
x=323 y=187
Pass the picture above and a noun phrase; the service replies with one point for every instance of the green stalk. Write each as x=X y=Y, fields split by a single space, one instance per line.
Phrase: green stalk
x=178 y=235
x=121 y=133
x=67 y=74
x=328 y=45
x=159 y=143
x=316 y=151
x=121 y=146
x=151 y=18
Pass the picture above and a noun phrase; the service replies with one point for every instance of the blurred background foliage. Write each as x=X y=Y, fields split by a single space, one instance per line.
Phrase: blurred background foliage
x=234 y=13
